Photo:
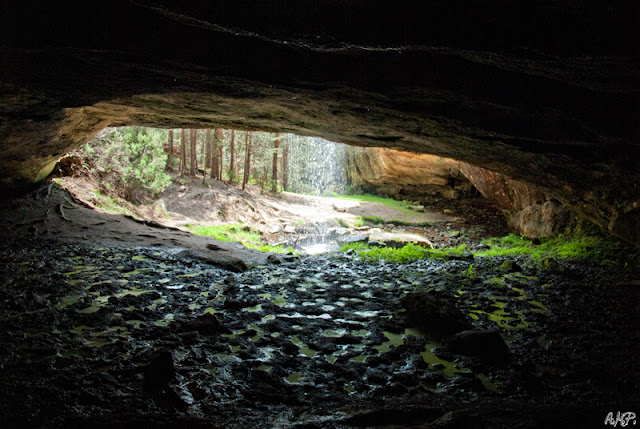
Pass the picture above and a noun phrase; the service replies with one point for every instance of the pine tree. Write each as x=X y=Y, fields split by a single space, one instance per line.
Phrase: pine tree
x=247 y=161
x=274 y=172
x=183 y=151
x=218 y=139
x=232 y=170
x=170 y=154
x=192 y=147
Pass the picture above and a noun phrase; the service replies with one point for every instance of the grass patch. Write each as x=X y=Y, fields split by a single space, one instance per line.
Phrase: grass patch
x=228 y=232
x=368 y=198
x=272 y=249
x=601 y=250
x=372 y=220
x=235 y=232
x=110 y=204
x=409 y=253
x=342 y=223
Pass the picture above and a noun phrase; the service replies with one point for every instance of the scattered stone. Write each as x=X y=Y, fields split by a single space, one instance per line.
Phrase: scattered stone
x=246 y=227
x=273 y=259
x=487 y=346
x=447 y=211
x=343 y=206
x=552 y=265
x=289 y=229
x=206 y=324
x=351 y=239
x=510 y=266
x=434 y=314
x=362 y=228
x=450 y=194
x=417 y=208
x=230 y=280
x=212 y=246
x=275 y=229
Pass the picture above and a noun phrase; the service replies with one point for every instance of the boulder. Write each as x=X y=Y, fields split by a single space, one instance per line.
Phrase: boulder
x=487 y=346
x=224 y=261
x=510 y=266
x=399 y=240
x=543 y=219
x=434 y=313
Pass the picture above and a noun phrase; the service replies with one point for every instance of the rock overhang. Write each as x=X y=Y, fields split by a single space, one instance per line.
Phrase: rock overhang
x=546 y=93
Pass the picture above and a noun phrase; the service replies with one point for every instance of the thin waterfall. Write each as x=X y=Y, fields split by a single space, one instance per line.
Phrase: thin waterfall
x=316 y=166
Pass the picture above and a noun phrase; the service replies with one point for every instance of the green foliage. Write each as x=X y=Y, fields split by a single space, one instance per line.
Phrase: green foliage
x=602 y=250
x=470 y=273
x=358 y=222
x=134 y=154
x=408 y=253
x=110 y=204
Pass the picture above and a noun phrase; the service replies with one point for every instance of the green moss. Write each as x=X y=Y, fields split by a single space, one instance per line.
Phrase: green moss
x=601 y=250
x=410 y=252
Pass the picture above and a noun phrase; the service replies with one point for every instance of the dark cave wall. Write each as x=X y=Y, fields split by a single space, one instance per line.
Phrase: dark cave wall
x=542 y=92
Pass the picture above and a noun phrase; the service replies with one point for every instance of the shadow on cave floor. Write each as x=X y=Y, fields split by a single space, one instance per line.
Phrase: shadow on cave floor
x=122 y=335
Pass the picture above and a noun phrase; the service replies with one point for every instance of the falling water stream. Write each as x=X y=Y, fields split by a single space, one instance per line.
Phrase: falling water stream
x=317 y=167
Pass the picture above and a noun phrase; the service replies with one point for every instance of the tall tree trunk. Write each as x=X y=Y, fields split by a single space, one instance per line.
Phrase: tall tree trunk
x=232 y=169
x=211 y=152
x=207 y=151
x=285 y=159
x=247 y=161
x=192 y=147
x=274 y=172
x=218 y=137
x=183 y=151
x=170 y=150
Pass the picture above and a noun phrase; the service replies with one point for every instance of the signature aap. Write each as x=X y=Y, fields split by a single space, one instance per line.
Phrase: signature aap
x=623 y=418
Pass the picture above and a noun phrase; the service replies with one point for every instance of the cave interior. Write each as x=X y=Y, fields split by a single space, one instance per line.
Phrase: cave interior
x=539 y=101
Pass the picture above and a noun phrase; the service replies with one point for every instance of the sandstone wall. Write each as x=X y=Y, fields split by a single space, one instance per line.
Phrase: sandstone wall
x=405 y=175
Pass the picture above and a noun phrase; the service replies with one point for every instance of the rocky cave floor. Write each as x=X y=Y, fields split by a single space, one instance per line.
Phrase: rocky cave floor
x=98 y=335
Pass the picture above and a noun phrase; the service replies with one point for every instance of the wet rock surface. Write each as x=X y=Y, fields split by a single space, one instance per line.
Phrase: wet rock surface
x=106 y=336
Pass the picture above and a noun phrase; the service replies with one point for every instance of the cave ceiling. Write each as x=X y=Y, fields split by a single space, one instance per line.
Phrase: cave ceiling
x=541 y=91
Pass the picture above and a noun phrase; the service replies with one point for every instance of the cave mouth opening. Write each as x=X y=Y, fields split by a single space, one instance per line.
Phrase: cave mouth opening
x=124 y=316
x=279 y=192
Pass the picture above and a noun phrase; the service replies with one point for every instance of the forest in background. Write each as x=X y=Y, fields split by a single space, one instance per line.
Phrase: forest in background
x=143 y=160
